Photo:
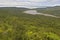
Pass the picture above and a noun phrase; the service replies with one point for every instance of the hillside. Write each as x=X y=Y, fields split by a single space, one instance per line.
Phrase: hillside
x=50 y=10
x=16 y=25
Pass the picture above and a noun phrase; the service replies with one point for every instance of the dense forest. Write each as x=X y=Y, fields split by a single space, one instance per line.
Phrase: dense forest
x=16 y=25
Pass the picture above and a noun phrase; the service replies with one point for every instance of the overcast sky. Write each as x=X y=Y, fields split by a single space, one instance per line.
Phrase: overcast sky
x=28 y=3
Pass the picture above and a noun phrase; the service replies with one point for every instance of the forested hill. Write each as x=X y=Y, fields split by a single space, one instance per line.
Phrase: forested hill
x=50 y=10
x=16 y=25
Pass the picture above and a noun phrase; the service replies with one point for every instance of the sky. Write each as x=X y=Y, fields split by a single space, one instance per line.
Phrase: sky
x=29 y=3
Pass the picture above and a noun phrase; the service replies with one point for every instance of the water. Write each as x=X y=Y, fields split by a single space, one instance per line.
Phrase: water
x=34 y=12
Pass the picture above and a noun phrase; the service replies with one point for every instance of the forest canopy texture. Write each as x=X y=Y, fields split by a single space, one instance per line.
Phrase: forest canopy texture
x=16 y=25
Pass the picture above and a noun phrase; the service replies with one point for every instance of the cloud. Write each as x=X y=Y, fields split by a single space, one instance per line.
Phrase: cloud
x=7 y=3
x=37 y=0
x=29 y=3
x=38 y=3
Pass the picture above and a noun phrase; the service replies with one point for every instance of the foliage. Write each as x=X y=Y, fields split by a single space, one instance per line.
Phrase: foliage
x=15 y=25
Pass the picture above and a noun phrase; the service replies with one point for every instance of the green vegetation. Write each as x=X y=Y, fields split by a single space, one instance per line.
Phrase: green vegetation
x=16 y=25
x=50 y=10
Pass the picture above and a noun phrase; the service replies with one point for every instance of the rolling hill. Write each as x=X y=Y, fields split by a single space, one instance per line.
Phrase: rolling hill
x=50 y=10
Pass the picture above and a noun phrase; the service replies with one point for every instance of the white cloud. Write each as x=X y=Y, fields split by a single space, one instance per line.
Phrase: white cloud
x=8 y=4
x=37 y=0
x=28 y=3
x=2 y=1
